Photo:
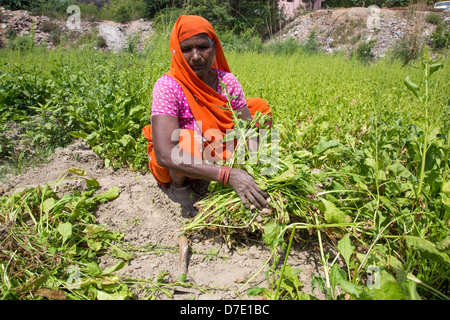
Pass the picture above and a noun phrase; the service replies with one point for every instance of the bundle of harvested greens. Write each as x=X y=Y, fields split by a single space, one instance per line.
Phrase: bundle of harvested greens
x=288 y=190
x=284 y=177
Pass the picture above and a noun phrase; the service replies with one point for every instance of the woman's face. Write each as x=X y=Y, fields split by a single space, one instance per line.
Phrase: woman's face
x=199 y=52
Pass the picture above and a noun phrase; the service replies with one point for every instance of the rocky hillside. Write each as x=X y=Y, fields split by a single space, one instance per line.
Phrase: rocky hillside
x=342 y=29
x=337 y=30
x=111 y=35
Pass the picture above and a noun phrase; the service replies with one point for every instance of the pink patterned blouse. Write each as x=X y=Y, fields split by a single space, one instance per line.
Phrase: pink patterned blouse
x=169 y=98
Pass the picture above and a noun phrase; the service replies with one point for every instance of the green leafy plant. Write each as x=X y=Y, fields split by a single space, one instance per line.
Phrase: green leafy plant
x=364 y=51
x=433 y=18
x=44 y=234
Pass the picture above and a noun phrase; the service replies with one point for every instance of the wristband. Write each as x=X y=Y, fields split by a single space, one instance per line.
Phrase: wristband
x=221 y=174
x=227 y=175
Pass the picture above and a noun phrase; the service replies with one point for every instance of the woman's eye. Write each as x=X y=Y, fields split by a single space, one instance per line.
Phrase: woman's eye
x=202 y=48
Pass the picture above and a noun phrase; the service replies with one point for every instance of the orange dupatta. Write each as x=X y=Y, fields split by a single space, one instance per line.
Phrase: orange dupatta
x=206 y=104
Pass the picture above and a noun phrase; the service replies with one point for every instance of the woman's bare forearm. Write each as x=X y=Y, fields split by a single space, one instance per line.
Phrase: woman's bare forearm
x=188 y=165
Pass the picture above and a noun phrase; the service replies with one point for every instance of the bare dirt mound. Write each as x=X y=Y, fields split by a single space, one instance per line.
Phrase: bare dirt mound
x=149 y=219
x=341 y=30
x=45 y=30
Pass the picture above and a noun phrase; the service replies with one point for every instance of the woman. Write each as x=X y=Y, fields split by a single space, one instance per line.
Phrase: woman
x=189 y=117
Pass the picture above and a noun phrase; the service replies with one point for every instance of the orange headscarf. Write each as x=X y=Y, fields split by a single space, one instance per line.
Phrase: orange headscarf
x=205 y=103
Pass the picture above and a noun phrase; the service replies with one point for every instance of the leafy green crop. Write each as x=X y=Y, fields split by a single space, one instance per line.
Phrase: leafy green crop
x=49 y=243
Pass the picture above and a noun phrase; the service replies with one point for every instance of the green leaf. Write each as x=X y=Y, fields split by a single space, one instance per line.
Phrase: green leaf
x=77 y=208
x=389 y=289
x=444 y=244
x=335 y=275
x=182 y=278
x=411 y=290
x=65 y=229
x=93 y=229
x=137 y=110
x=118 y=253
x=346 y=248
x=399 y=170
x=349 y=287
x=271 y=235
x=78 y=134
x=428 y=250
x=92 y=269
x=414 y=88
x=290 y=281
x=325 y=145
x=48 y=205
x=255 y=292
x=435 y=67
x=371 y=163
x=77 y=171
x=446 y=188
x=333 y=214
x=94 y=245
x=102 y=295
x=108 y=195
x=119 y=265
x=92 y=183
x=126 y=139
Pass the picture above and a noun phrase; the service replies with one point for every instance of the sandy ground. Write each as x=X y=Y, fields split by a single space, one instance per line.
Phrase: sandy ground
x=148 y=217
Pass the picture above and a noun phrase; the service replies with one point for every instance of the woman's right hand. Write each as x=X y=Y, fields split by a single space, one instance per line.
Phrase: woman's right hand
x=247 y=189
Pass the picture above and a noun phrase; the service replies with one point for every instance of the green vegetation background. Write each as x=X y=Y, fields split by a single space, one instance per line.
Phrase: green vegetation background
x=378 y=129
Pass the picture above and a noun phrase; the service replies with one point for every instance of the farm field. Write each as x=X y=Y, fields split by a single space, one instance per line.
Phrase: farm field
x=360 y=203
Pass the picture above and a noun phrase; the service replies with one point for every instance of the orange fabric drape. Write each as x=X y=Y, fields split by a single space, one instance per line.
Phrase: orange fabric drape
x=187 y=143
x=207 y=105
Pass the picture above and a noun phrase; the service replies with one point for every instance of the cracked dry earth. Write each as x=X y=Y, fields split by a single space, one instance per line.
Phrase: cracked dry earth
x=151 y=223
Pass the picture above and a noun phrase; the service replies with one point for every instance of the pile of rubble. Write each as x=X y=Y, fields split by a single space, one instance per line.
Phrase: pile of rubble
x=342 y=29
x=117 y=36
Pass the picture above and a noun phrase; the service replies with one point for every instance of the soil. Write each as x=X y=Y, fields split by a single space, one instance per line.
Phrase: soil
x=147 y=217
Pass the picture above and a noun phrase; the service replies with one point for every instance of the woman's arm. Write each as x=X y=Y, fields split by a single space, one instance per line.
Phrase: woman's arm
x=168 y=155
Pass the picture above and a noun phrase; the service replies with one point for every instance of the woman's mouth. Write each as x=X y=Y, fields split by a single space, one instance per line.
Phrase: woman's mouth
x=198 y=67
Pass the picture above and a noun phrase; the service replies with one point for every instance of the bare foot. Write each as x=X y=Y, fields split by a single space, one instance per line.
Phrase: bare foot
x=185 y=196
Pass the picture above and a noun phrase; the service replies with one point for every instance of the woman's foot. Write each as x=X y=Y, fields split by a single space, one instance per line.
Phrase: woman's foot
x=200 y=186
x=185 y=196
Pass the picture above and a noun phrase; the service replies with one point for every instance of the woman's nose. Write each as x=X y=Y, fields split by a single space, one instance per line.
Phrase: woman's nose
x=195 y=54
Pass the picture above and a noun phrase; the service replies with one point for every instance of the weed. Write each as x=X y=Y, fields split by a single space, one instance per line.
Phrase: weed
x=48 y=26
x=433 y=18
x=441 y=37
x=364 y=51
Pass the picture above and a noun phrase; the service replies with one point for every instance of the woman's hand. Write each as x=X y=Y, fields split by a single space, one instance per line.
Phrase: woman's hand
x=247 y=189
